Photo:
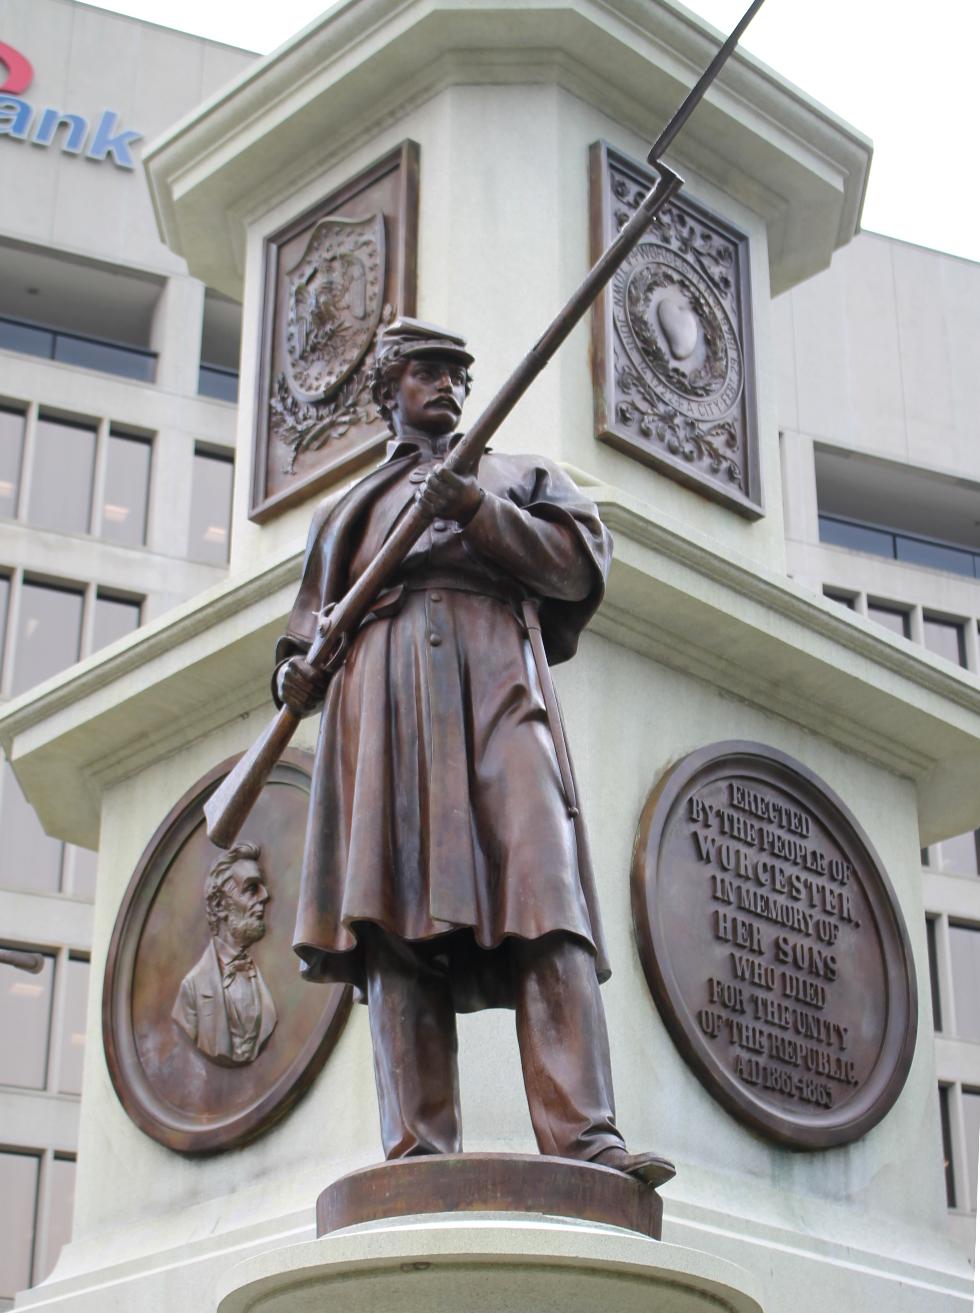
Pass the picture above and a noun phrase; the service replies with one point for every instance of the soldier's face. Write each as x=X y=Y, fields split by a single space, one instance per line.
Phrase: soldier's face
x=244 y=906
x=430 y=396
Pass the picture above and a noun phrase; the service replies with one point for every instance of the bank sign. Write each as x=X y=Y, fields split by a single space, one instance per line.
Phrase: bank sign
x=73 y=134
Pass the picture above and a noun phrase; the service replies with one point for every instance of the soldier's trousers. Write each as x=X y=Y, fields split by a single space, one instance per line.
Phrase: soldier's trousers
x=561 y=1033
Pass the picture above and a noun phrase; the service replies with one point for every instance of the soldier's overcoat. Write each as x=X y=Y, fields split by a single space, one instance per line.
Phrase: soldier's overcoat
x=437 y=806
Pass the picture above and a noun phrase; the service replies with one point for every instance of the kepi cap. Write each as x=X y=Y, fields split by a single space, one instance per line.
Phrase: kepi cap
x=414 y=339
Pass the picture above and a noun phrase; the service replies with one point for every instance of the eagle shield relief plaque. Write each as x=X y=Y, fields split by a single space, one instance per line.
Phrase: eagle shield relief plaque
x=334 y=277
x=335 y=300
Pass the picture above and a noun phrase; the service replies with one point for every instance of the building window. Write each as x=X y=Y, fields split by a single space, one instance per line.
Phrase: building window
x=947 y=1135
x=56 y=622
x=4 y=608
x=892 y=617
x=33 y=861
x=77 y=349
x=210 y=508
x=971 y=1134
x=72 y=1040
x=964 y=960
x=19 y=1174
x=218 y=383
x=954 y=969
x=837 y=532
x=61 y=1206
x=937 y=1011
x=221 y=343
x=42 y=1039
x=79 y=312
x=878 y=540
x=81 y=476
x=49 y=633
x=960 y=854
x=25 y=1024
x=115 y=617
x=61 y=476
x=42 y=1022
x=945 y=638
x=842 y=599
x=12 y=423
x=27 y=1257
x=127 y=489
x=959 y=1119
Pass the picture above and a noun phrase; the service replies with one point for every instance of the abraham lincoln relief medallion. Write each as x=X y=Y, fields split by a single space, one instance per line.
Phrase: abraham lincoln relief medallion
x=333 y=278
x=672 y=340
x=210 y=1035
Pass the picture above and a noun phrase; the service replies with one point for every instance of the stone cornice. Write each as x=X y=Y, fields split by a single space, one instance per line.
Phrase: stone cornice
x=366 y=62
x=672 y=597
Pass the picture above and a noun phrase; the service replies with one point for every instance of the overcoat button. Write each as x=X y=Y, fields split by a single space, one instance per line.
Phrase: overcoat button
x=439 y=525
x=435 y=597
x=435 y=640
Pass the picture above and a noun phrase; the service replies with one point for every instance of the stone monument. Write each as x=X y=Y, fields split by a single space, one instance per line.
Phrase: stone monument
x=758 y=768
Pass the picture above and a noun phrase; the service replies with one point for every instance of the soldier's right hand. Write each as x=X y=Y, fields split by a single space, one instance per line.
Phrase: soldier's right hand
x=301 y=688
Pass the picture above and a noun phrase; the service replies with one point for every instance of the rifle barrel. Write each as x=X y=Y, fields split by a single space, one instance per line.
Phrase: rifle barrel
x=227 y=809
x=695 y=95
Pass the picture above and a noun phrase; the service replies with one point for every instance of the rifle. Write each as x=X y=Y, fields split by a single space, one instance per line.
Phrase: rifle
x=229 y=805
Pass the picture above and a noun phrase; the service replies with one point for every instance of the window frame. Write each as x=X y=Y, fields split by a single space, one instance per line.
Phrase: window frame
x=61 y=955
x=224 y=456
x=40 y=1259
x=952 y=1083
x=104 y=429
x=90 y=591
x=67 y=862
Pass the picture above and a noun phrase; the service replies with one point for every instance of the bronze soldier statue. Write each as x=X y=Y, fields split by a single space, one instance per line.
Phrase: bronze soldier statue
x=446 y=865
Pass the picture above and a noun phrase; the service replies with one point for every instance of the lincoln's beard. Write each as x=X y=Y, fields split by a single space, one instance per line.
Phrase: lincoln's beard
x=243 y=928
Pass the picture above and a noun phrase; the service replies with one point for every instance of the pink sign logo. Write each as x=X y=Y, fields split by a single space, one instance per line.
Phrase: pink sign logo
x=20 y=72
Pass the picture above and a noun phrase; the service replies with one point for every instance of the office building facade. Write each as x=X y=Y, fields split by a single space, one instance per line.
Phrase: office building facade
x=118 y=377
x=879 y=417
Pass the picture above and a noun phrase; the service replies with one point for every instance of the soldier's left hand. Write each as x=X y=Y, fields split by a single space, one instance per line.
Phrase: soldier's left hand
x=451 y=496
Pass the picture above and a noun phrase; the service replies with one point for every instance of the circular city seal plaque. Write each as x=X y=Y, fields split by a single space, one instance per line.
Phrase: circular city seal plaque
x=774 y=946
x=677 y=333
x=209 y=1032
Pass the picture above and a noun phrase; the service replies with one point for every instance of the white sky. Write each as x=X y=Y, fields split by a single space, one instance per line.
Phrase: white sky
x=904 y=73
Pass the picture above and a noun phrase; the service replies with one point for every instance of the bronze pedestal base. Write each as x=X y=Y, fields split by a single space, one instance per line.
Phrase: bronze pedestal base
x=490 y=1183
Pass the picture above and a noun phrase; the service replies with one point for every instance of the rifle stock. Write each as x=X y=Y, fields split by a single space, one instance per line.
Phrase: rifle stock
x=226 y=810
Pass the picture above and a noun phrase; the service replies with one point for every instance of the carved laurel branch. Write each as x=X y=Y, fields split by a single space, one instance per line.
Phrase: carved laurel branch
x=681 y=436
x=712 y=254
x=308 y=426
x=305 y=426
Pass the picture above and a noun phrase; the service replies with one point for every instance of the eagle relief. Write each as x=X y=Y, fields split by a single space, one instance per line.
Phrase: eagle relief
x=335 y=300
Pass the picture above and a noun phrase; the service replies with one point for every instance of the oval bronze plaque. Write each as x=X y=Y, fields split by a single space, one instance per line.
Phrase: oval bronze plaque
x=210 y=1034
x=774 y=946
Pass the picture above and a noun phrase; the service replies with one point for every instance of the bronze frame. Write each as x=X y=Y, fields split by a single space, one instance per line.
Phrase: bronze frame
x=818 y=1130
x=751 y=505
x=135 y=1093
x=405 y=157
